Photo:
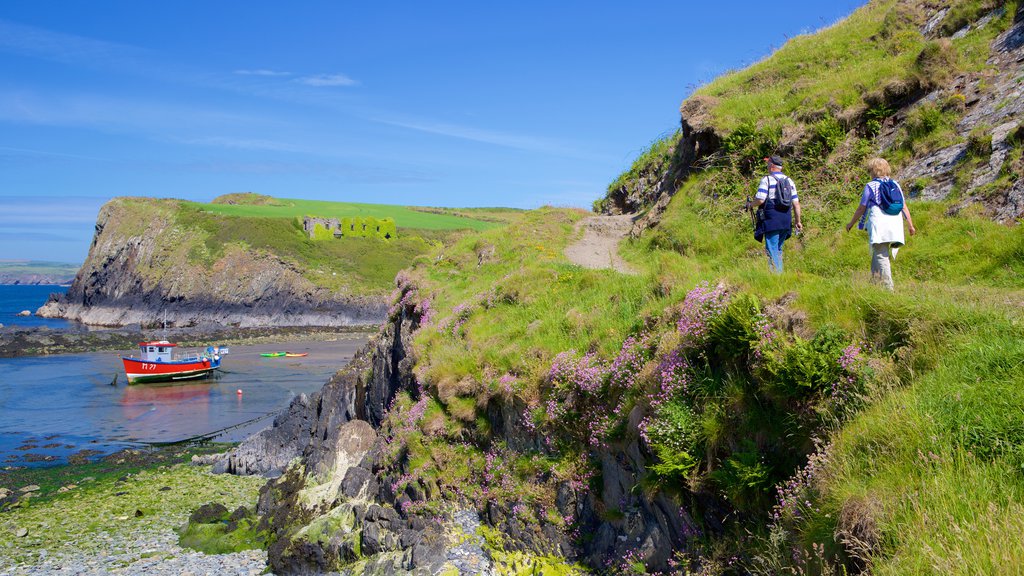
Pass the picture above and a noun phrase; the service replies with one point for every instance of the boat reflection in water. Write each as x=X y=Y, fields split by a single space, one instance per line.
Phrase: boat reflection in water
x=167 y=412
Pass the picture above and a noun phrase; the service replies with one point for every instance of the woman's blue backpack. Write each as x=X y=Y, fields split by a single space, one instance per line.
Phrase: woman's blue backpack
x=890 y=197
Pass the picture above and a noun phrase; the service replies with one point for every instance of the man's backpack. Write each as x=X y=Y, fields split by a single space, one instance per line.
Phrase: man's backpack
x=890 y=197
x=784 y=189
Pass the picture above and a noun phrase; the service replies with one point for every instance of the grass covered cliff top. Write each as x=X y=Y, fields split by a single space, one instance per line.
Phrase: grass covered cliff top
x=201 y=234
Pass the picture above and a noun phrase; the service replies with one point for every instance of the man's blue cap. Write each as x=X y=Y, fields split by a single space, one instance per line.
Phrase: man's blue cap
x=774 y=159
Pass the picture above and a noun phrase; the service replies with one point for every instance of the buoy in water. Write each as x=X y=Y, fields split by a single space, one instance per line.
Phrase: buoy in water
x=239 y=391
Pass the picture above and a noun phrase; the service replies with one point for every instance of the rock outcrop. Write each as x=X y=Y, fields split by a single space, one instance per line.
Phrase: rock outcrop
x=653 y=189
x=995 y=106
x=329 y=505
x=144 y=267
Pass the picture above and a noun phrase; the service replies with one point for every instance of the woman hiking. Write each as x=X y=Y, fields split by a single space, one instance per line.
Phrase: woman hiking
x=885 y=208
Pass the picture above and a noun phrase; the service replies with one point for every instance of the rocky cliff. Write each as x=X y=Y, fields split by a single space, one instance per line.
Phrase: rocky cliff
x=332 y=502
x=147 y=265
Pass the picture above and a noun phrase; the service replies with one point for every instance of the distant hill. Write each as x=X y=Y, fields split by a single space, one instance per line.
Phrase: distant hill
x=36 y=272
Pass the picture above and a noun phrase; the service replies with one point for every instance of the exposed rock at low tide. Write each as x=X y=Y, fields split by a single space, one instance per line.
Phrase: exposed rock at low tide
x=42 y=340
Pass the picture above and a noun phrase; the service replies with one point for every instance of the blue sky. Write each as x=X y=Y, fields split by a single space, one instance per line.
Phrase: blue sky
x=428 y=103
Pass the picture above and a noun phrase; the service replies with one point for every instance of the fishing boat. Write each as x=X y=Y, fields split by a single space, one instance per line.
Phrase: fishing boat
x=158 y=363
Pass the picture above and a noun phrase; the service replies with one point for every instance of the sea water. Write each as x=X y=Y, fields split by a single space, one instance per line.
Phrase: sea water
x=16 y=298
x=54 y=406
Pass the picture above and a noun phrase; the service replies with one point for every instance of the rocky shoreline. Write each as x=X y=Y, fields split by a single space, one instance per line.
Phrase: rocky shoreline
x=41 y=341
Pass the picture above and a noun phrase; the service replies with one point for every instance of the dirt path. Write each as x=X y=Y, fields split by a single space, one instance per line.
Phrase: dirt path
x=599 y=247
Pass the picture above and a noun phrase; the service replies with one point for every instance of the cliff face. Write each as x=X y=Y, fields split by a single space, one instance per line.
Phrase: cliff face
x=332 y=502
x=145 y=267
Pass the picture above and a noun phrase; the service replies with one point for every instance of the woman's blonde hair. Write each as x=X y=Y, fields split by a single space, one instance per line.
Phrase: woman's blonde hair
x=879 y=168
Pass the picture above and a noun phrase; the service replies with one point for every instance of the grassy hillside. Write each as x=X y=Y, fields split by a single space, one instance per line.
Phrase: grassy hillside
x=810 y=422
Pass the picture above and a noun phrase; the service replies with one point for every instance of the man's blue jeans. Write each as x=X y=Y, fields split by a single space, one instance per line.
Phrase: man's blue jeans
x=773 y=246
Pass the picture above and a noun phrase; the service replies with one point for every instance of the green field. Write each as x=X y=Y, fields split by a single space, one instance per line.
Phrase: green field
x=25 y=267
x=404 y=216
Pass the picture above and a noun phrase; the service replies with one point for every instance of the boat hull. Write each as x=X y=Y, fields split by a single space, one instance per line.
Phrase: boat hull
x=142 y=371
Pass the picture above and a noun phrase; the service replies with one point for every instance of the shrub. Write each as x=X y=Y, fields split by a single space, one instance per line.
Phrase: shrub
x=979 y=142
x=808 y=366
x=936 y=63
x=745 y=478
x=749 y=142
x=735 y=332
x=827 y=134
x=926 y=127
x=674 y=434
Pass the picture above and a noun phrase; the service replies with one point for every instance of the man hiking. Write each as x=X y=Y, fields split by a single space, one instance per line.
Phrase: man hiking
x=776 y=202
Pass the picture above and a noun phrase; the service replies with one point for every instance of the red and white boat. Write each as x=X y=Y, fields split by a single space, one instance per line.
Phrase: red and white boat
x=158 y=363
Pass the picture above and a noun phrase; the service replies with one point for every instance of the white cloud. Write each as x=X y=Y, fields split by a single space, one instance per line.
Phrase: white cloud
x=262 y=72
x=327 y=80
x=115 y=114
x=507 y=140
x=242 y=143
x=68 y=48
x=9 y=151
x=47 y=210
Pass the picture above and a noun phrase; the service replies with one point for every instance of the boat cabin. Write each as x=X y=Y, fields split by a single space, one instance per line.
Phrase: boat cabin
x=157 y=351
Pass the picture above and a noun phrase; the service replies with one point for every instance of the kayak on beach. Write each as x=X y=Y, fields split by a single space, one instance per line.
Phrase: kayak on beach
x=272 y=354
x=296 y=354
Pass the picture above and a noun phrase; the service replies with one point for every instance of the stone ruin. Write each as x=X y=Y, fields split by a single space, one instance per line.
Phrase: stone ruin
x=327 y=228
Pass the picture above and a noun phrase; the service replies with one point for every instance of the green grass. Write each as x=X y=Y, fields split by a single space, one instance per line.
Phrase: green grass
x=404 y=216
x=879 y=45
x=359 y=265
x=930 y=458
x=946 y=350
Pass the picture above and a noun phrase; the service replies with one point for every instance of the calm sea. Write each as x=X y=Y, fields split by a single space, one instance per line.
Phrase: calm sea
x=54 y=406
x=14 y=299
